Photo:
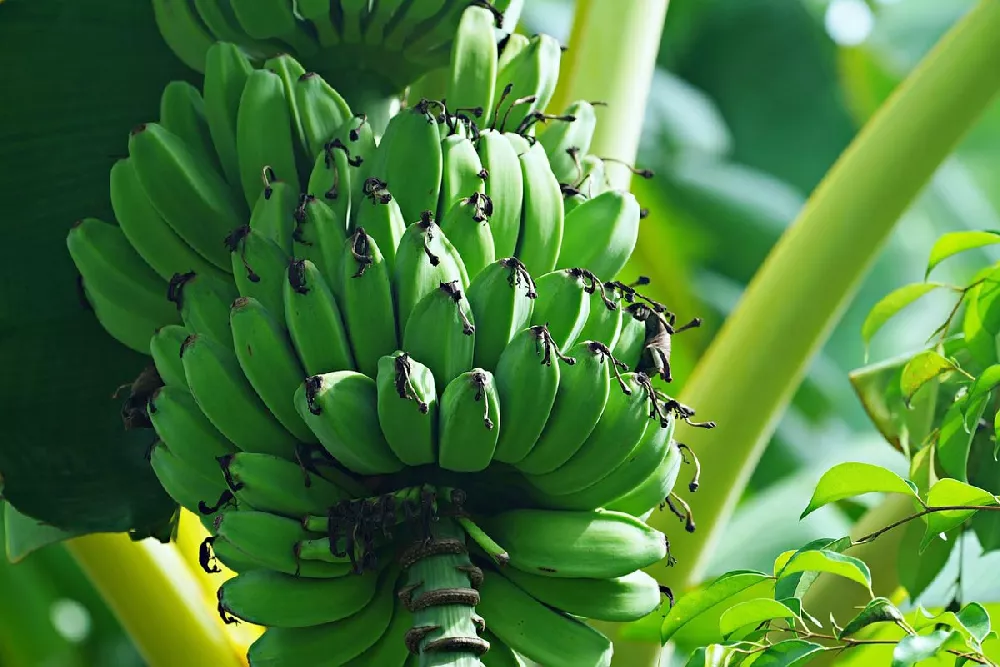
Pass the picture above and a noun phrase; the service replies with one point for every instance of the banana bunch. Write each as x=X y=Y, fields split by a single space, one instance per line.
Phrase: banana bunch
x=393 y=373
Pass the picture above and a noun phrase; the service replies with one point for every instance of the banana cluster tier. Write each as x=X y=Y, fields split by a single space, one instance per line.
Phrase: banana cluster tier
x=394 y=374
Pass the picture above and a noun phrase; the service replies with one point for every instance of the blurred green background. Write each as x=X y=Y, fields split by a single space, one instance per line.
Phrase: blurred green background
x=752 y=102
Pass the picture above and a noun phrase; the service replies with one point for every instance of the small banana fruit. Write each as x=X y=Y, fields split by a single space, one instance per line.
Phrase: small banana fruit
x=541 y=214
x=424 y=261
x=473 y=64
x=469 y=422
x=187 y=432
x=271 y=484
x=204 y=301
x=259 y=267
x=165 y=348
x=466 y=225
x=441 y=332
x=314 y=321
x=505 y=188
x=408 y=408
x=264 y=134
x=367 y=304
x=615 y=599
x=502 y=295
x=563 y=305
x=600 y=234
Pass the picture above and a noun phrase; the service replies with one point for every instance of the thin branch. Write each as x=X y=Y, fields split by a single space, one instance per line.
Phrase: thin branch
x=930 y=510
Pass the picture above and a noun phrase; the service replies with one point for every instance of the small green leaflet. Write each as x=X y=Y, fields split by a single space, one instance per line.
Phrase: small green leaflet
x=920 y=370
x=891 y=304
x=878 y=610
x=719 y=655
x=972 y=622
x=753 y=612
x=980 y=343
x=911 y=649
x=954 y=440
x=823 y=560
x=951 y=492
x=985 y=383
x=796 y=585
x=25 y=534
x=850 y=479
x=996 y=434
x=953 y=243
x=789 y=653
x=697 y=602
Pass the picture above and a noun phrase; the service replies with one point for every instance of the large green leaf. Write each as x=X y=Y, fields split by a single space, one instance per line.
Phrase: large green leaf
x=86 y=73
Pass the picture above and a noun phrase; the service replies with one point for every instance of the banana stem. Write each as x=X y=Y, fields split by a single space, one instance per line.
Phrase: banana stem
x=156 y=600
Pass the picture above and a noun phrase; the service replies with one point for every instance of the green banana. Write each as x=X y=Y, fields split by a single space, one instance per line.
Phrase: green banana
x=407 y=20
x=597 y=544
x=441 y=332
x=512 y=46
x=505 y=188
x=469 y=422
x=563 y=304
x=203 y=302
x=226 y=72
x=466 y=225
x=616 y=599
x=264 y=134
x=221 y=20
x=654 y=489
x=269 y=362
x=322 y=111
x=532 y=74
x=601 y=233
x=583 y=391
x=367 y=303
x=424 y=260
x=259 y=267
x=319 y=236
x=123 y=323
x=271 y=484
x=568 y=139
x=189 y=193
x=473 y=64
x=604 y=323
x=330 y=179
x=462 y=172
x=342 y=410
x=273 y=216
x=318 y=13
x=314 y=321
x=266 y=19
x=229 y=401
x=182 y=112
x=541 y=214
x=331 y=643
x=518 y=143
x=289 y=70
x=224 y=552
x=502 y=295
x=530 y=360
x=165 y=348
x=382 y=16
x=628 y=348
x=352 y=17
x=356 y=140
x=381 y=219
x=408 y=408
x=538 y=632
x=191 y=490
x=183 y=32
x=499 y=655
x=390 y=650
x=188 y=433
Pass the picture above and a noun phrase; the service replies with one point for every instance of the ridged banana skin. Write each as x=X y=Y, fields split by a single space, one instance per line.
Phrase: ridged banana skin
x=357 y=138
x=652 y=491
x=499 y=655
x=183 y=32
x=541 y=213
x=191 y=437
x=540 y=633
x=155 y=241
x=515 y=44
x=181 y=481
x=165 y=348
x=383 y=221
x=562 y=305
x=473 y=64
x=628 y=347
x=330 y=182
x=231 y=557
x=289 y=70
x=583 y=392
x=331 y=643
x=617 y=599
x=505 y=188
x=122 y=323
x=533 y=71
x=342 y=410
x=319 y=237
x=264 y=134
x=566 y=142
x=442 y=334
x=466 y=225
x=314 y=321
x=367 y=303
x=182 y=112
x=229 y=401
x=411 y=138
x=416 y=275
x=272 y=540
x=190 y=194
x=204 y=301
x=598 y=544
x=621 y=427
x=601 y=233
x=469 y=422
x=271 y=484
x=499 y=296
x=644 y=460
x=220 y=19
x=462 y=172
x=269 y=362
x=112 y=269
x=525 y=362
x=603 y=324
x=259 y=268
x=273 y=216
x=277 y=600
x=518 y=143
x=409 y=427
x=390 y=650
x=322 y=111
x=226 y=73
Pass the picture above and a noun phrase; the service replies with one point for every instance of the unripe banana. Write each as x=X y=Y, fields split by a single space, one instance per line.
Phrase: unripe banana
x=190 y=195
x=271 y=484
x=314 y=321
x=367 y=303
x=269 y=362
x=279 y=600
x=628 y=347
x=221 y=20
x=567 y=140
x=259 y=267
x=352 y=15
x=182 y=31
x=129 y=327
x=604 y=323
x=597 y=544
x=563 y=304
x=532 y=75
x=390 y=650
x=188 y=433
x=469 y=422
x=182 y=482
x=538 y=632
x=203 y=302
x=531 y=360
x=229 y=401
x=266 y=19
x=425 y=259
x=264 y=134
x=583 y=392
x=499 y=655
x=342 y=410
x=408 y=408
x=513 y=45
x=273 y=216
x=226 y=72
x=616 y=599
x=319 y=236
x=165 y=348
x=601 y=233
x=518 y=143
x=541 y=215
x=473 y=64
x=466 y=225
x=318 y=13
x=654 y=489
x=462 y=172
x=442 y=333
x=289 y=70
x=331 y=643
x=322 y=110
x=381 y=218
x=224 y=551
x=502 y=295
x=155 y=241
x=505 y=188
x=332 y=175
x=356 y=140
x=182 y=112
